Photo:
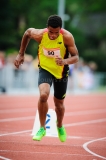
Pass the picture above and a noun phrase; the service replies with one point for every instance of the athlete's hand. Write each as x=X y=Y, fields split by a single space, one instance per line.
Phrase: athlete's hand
x=19 y=60
x=60 y=61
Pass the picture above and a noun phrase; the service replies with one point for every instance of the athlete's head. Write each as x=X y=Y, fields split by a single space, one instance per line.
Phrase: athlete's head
x=54 y=24
x=54 y=21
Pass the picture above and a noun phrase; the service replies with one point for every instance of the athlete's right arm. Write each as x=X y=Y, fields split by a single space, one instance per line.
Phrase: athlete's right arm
x=30 y=33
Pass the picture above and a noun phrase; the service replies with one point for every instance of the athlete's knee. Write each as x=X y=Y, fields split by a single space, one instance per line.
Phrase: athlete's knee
x=58 y=103
x=43 y=97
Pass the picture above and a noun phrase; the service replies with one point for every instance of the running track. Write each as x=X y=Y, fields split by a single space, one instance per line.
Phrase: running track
x=85 y=122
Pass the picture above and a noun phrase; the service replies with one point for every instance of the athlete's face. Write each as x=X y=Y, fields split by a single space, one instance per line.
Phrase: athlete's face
x=53 y=33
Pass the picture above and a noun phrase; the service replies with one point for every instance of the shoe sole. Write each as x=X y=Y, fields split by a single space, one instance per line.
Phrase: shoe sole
x=38 y=139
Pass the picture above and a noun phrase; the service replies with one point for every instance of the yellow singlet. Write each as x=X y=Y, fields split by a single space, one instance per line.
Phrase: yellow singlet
x=48 y=51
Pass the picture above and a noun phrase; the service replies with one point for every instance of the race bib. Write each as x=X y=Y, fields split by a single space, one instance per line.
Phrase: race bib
x=53 y=53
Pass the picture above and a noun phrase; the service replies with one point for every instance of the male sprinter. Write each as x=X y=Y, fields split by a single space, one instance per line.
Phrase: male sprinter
x=55 y=46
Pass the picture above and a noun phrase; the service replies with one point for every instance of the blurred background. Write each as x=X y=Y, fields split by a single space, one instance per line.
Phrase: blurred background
x=86 y=20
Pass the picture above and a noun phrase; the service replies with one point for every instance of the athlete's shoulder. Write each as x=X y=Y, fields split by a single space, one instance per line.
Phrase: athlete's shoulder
x=68 y=37
x=66 y=33
x=35 y=33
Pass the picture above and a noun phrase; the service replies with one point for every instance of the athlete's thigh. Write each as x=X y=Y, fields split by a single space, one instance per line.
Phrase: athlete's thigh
x=60 y=87
x=44 y=81
x=44 y=89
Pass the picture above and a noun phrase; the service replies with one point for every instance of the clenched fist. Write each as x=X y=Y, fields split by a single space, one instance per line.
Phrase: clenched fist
x=19 y=60
x=60 y=61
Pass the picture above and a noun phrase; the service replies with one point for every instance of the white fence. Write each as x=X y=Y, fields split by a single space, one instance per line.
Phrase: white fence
x=21 y=80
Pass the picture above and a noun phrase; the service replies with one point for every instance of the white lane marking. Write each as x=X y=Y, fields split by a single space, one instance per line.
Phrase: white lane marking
x=6 y=134
x=4 y=158
x=66 y=125
x=85 y=122
x=31 y=117
x=66 y=114
x=88 y=150
x=77 y=137
x=48 y=153
x=74 y=137
x=84 y=146
x=17 y=119
x=17 y=110
x=85 y=112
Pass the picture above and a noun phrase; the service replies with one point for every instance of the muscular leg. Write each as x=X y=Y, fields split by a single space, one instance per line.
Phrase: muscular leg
x=60 y=109
x=44 y=89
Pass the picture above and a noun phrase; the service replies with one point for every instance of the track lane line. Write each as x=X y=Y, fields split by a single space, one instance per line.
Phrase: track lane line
x=66 y=125
x=66 y=113
x=17 y=119
x=4 y=158
x=48 y=153
x=6 y=134
x=86 y=112
x=86 y=122
x=88 y=150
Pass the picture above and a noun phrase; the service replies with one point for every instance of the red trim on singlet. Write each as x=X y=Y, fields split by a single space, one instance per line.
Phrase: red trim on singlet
x=61 y=30
x=45 y=30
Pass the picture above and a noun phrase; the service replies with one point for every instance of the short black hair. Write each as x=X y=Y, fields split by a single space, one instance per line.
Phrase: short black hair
x=54 y=21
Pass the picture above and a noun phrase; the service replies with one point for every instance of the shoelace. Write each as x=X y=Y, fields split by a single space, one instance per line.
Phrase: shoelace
x=40 y=131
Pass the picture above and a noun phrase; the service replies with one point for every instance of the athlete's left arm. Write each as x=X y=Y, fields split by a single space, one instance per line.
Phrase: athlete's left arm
x=72 y=49
x=70 y=44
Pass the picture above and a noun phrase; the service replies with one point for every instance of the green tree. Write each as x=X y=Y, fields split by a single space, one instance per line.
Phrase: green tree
x=17 y=16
